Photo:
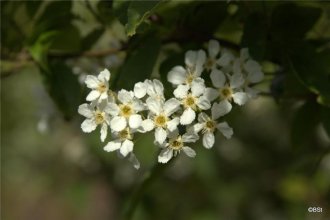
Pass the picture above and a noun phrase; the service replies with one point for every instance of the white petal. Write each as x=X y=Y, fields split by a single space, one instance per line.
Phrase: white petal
x=189 y=151
x=154 y=105
x=86 y=110
x=140 y=89
x=118 y=123
x=225 y=59
x=181 y=91
x=203 y=117
x=203 y=103
x=190 y=137
x=104 y=131
x=213 y=48
x=225 y=129
x=104 y=75
x=220 y=109
x=88 y=125
x=218 y=78
x=92 y=82
x=158 y=86
x=94 y=94
x=171 y=106
x=240 y=98
x=125 y=96
x=173 y=124
x=112 y=109
x=251 y=93
x=112 y=146
x=237 y=69
x=132 y=158
x=104 y=95
x=201 y=58
x=208 y=140
x=126 y=147
x=190 y=58
x=147 y=125
x=165 y=155
x=187 y=117
x=197 y=87
x=244 y=54
x=236 y=81
x=177 y=75
x=138 y=105
x=255 y=77
x=197 y=127
x=135 y=121
x=160 y=135
x=211 y=94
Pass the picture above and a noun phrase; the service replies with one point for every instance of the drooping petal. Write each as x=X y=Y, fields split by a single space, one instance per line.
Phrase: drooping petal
x=165 y=155
x=211 y=94
x=132 y=158
x=220 y=109
x=88 y=125
x=140 y=89
x=154 y=105
x=147 y=125
x=104 y=131
x=94 y=94
x=190 y=137
x=225 y=129
x=240 y=98
x=203 y=103
x=189 y=151
x=213 y=48
x=126 y=147
x=160 y=135
x=112 y=109
x=208 y=140
x=171 y=106
x=91 y=82
x=104 y=75
x=135 y=121
x=181 y=91
x=236 y=81
x=218 y=78
x=177 y=75
x=118 y=123
x=187 y=117
x=112 y=146
x=173 y=124
x=86 y=110
x=197 y=87
x=125 y=96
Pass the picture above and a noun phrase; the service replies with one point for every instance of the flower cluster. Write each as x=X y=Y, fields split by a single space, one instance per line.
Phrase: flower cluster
x=196 y=108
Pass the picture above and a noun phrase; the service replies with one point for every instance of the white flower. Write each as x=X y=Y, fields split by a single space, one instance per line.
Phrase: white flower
x=175 y=144
x=95 y=115
x=228 y=91
x=213 y=51
x=124 y=144
x=160 y=118
x=99 y=85
x=191 y=101
x=194 y=61
x=153 y=89
x=208 y=125
x=125 y=112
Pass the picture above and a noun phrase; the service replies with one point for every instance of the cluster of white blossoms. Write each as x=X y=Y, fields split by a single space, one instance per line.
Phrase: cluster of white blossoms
x=195 y=110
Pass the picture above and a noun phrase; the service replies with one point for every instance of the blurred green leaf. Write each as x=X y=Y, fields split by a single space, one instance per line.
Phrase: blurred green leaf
x=32 y=7
x=92 y=38
x=133 y=13
x=67 y=40
x=255 y=35
x=325 y=118
x=290 y=22
x=139 y=63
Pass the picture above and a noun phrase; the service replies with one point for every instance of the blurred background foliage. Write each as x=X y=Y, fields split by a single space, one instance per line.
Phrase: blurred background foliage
x=276 y=165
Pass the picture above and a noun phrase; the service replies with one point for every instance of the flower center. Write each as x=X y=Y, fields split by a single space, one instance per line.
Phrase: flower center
x=125 y=110
x=99 y=117
x=125 y=134
x=189 y=101
x=160 y=120
x=226 y=93
x=102 y=87
x=176 y=144
x=209 y=63
x=209 y=126
x=190 y=78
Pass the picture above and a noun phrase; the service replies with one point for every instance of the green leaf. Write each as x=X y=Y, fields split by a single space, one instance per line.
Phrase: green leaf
x=92 y=38
x=63 y=86
x=290 y=22
x=139 y=63
x=255 y=35
x=133 y=13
